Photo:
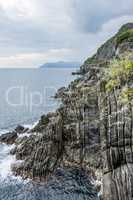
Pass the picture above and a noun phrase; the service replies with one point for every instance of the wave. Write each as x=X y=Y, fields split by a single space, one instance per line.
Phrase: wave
x=6 y=159
x=32 y=125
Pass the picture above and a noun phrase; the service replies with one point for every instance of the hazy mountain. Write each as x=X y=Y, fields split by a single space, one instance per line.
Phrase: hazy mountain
x=61 y=64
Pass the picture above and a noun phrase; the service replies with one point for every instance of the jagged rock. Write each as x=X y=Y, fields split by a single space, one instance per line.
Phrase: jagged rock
x=20 y=129
x=8 y=138
x=60 y=93
x=24 y=147
x=11 y=137
x=42 y=124
x=13 y=151
x=17 y=168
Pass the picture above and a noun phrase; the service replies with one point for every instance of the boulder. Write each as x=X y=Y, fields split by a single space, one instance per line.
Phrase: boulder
x=13 y=151
x=8 y=138
x=21 y=129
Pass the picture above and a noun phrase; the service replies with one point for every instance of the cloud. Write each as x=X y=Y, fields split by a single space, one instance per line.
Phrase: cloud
x=24 y=60
x=37 y=31
x=90 y=15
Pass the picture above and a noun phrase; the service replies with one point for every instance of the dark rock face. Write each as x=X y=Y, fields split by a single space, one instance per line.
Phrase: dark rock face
x=13 y=151
x=91 y=130
x=20 y=129
x=116 y=136
x=60 y=92
x=8 y=138
x=117 y=148
x=70 y=137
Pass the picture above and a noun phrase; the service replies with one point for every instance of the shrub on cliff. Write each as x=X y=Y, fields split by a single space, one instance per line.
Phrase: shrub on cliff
x=126 y=95
x=119 y=73
x=41 y=124
x=127 y=34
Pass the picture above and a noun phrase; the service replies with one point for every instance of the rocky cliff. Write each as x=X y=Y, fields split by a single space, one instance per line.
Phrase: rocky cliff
x=92 y=129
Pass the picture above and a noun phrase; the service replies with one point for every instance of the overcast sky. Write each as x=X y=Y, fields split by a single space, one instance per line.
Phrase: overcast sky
x=33 y=32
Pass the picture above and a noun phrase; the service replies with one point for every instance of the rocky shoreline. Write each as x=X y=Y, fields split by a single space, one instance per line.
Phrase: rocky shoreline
x=90 y=131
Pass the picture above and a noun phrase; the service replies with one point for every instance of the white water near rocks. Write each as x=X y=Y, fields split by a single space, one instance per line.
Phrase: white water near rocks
x=8 y=181
x=6 y=160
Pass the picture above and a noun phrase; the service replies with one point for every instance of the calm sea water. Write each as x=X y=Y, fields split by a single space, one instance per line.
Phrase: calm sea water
x=25 y=94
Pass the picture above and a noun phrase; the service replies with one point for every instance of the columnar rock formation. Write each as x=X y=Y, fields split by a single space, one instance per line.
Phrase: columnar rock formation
x=92 y=129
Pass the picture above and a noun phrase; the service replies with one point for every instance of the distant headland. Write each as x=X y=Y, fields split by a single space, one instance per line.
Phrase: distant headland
x=61 y=64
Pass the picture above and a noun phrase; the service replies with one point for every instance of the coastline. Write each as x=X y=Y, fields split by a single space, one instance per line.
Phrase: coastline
x=89 y=136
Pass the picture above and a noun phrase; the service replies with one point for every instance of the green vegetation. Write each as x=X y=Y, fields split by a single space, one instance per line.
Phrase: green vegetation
x=126 y=95
x=119 y=75
x=128 y=34
x=43 y=122
x=90 y=60
x=111 y=85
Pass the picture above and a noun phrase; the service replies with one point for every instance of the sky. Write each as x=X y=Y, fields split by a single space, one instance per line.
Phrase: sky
x=33 y=32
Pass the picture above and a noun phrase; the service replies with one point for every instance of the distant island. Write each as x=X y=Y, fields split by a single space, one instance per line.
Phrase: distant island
x=61 y=64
